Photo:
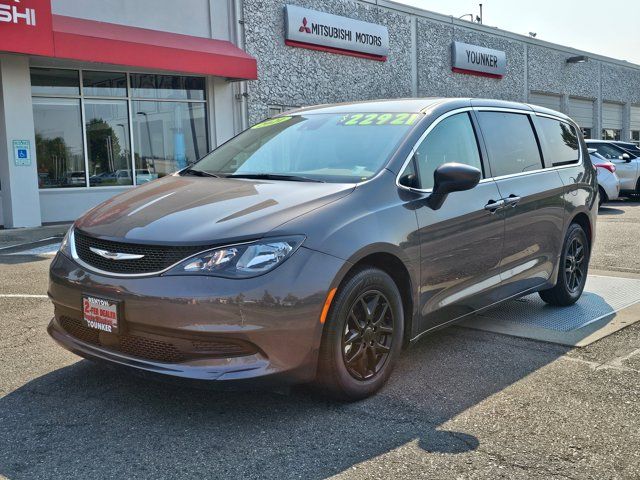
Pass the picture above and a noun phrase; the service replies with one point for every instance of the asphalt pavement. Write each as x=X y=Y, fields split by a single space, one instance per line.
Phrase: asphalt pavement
x=461 y=404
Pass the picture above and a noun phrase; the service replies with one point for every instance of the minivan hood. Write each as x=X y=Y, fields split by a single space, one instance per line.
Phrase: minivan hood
x=205 y=210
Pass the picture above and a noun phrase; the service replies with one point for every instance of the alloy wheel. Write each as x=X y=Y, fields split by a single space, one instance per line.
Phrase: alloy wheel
x=368 y=334
x=574 y=265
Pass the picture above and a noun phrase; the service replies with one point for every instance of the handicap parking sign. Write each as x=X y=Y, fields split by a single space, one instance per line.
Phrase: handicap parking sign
x=22 y=152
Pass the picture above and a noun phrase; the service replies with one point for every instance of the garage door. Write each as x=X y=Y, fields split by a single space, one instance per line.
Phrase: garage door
x=545 y=100
x=611 y=115
x=611 y=121
x=581 y=111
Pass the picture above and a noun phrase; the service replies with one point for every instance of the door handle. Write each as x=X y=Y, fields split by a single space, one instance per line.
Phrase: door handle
x=511 y=201
x=493 y=205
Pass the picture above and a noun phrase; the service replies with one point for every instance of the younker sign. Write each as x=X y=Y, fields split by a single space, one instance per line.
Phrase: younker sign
x=332 y=33
x=476 y=60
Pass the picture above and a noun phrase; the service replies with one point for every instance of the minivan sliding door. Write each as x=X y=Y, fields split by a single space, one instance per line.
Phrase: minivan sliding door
x=533 y=200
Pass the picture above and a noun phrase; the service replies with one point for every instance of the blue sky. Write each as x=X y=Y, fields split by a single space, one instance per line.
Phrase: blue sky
x=609 y=28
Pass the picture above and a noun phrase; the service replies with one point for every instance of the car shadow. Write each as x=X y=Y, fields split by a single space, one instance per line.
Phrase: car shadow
x=17 y=259
x=608 y=209
x=86 y=420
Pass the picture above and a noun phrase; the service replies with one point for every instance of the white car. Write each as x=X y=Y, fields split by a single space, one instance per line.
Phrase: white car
x=142 y=176
x=608 y=181
x=627 y=165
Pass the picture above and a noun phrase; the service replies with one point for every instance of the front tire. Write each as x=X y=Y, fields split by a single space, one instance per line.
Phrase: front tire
x=362 y=336
x=574 y=264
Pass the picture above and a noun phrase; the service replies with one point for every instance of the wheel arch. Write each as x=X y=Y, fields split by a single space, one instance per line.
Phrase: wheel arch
x=394 y=262
x=583 y=220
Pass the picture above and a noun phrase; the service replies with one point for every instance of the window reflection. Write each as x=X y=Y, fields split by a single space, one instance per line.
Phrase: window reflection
x=54 y=81
x=167 y=86
x=104 y=84
x=107 y=127
x=168 y=137
x=167 y=114
x=59 y=148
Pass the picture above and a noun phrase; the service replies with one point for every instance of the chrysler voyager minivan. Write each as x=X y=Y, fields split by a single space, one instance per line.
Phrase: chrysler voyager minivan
x=316 y=244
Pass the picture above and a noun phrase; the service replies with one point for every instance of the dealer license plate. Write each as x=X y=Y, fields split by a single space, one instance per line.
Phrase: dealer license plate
x=100 y=313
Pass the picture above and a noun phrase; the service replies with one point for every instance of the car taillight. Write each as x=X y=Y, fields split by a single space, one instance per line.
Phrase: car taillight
x=607 y=166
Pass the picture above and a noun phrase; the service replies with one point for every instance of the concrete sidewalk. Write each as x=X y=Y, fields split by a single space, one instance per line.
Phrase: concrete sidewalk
x=18 y=236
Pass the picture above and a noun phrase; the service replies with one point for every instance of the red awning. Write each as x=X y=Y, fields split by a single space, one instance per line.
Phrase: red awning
x=91 y=41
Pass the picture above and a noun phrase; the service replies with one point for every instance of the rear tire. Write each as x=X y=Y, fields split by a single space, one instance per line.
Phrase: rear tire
x=572 y=274
x=362 y=336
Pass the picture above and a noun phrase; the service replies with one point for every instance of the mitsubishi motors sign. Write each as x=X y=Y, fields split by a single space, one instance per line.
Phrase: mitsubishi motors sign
x=332 y=33
x=25 y=27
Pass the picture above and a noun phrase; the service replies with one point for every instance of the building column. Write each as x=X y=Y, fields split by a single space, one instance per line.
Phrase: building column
x=564 y=103
x=597 y=111
x=19 y=177
x=626 y=122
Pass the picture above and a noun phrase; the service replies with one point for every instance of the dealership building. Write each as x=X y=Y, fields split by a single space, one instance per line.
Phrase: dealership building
x=97 y=97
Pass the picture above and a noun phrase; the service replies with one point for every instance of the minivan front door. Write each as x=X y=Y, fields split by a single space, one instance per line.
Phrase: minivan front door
x=460 y=243
x=533 y=196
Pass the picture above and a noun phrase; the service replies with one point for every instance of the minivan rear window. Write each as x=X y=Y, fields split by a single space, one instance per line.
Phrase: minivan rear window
x=510 y=142
x=559 y=142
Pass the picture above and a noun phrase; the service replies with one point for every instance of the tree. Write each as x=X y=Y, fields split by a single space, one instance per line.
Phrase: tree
x=103 y=147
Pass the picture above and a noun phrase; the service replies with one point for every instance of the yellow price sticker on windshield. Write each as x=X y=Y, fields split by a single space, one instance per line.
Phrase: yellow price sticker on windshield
x=271 y=121
x=373 y=119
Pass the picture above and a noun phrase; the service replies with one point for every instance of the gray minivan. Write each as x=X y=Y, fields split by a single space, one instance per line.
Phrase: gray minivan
x=314 y=245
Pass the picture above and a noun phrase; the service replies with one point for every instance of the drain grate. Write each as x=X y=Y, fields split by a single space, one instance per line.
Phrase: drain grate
x=576 y=325
x=601 y=297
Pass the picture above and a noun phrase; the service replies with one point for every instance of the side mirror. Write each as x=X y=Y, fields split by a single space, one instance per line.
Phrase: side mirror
x=449 y=178
x=626 y=157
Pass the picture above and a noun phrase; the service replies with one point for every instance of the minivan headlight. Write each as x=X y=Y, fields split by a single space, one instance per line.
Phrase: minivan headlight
x=65 y=245
x=243 y=260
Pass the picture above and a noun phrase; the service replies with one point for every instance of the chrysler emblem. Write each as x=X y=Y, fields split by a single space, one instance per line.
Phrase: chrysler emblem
x=115 y=255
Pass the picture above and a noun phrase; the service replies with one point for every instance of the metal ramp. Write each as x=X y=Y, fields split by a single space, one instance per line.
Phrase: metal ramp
x=607 y=305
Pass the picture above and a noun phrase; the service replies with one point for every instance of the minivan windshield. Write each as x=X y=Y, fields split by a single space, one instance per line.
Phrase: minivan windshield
x=333 y=148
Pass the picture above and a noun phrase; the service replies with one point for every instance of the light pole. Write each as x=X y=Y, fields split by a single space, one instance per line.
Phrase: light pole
x=146 y=121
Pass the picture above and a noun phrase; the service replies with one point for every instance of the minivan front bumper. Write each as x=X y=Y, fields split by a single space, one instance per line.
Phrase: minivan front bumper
x=166 y=320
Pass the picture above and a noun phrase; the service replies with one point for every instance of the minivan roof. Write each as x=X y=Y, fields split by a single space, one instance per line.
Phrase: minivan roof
x=418 y=105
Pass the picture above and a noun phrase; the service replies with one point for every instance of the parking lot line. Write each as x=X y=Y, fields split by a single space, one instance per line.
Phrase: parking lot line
x=21 y=295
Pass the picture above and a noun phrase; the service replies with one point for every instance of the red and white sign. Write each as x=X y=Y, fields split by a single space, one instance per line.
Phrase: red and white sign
x=26 y=27
x=100 y=314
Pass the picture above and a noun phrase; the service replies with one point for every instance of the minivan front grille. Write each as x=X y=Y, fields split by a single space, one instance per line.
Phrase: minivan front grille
x=155 y=257
x=159 y=349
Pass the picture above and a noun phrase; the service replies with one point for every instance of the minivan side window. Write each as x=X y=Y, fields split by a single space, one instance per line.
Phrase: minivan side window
x=559 y=142
x=451 y=140
x=511 y=143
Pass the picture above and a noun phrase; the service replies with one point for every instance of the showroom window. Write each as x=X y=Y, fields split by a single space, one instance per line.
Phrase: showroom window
x=98 y=129
x=610 y=134
x=635 y=137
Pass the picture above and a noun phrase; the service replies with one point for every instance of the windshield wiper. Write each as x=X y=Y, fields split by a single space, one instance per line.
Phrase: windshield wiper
x=275 y=176
x=198 y=173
